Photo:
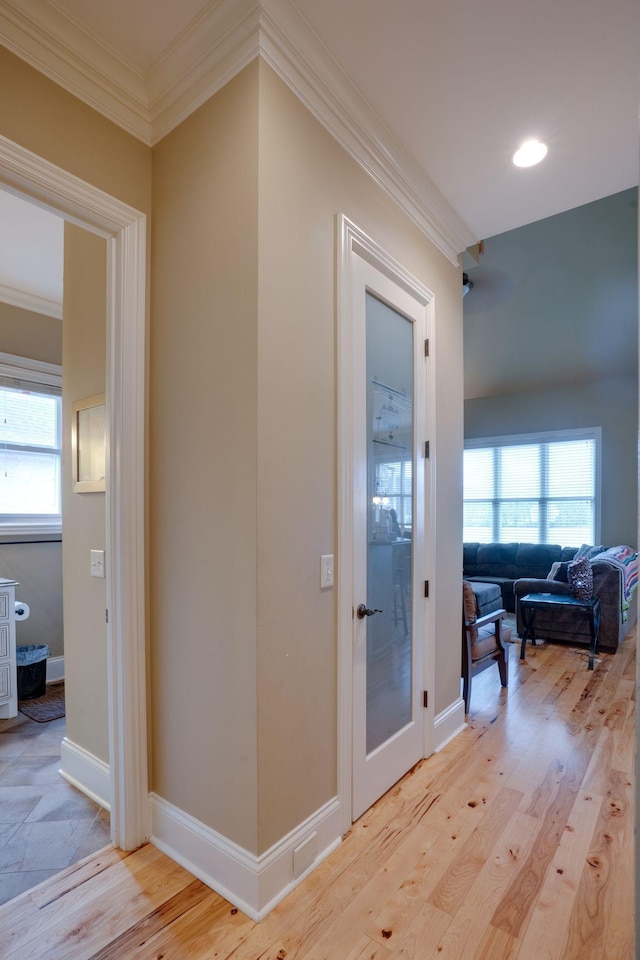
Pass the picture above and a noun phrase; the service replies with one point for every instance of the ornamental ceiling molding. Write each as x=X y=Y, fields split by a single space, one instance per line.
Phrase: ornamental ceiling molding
x=26 y=300
x=214 y=47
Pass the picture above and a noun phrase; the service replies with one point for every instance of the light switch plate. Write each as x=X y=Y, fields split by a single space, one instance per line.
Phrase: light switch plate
x=326 y=571
x=97 y=563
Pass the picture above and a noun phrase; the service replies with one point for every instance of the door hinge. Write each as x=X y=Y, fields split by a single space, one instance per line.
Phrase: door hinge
x=426 y=449
x=106 y=616
x=426 y=348
x=426 y=588
x=425 y=699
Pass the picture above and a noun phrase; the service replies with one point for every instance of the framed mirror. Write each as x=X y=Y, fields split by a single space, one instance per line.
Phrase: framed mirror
x=88 y=453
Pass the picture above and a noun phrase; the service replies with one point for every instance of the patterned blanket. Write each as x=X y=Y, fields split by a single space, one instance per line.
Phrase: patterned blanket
x=626 y=561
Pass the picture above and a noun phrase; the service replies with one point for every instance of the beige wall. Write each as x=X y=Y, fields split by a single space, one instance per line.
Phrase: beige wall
x=306 y=178
x=243 y=454
x=83 y=514
x=36 y=566
x=38 y=569
x=27 y=334
x=44 y=118
x=203 y=421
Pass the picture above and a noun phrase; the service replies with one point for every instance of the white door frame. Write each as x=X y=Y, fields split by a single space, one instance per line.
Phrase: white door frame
x=350 y=242
x=125 y=231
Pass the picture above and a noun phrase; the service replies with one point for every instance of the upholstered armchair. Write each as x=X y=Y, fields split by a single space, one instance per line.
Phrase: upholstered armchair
x=484 y=641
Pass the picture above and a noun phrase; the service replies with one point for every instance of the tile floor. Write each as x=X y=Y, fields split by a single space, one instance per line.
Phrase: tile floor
x=45 y=823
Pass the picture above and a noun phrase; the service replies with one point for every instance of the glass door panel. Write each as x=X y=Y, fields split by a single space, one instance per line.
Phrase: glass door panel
x=390 y=512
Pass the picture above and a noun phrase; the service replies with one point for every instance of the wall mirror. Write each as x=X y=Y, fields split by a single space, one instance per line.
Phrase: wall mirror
x=88 y=445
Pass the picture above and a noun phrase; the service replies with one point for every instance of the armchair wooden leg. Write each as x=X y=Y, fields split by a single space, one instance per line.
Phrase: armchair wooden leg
x=503 y=667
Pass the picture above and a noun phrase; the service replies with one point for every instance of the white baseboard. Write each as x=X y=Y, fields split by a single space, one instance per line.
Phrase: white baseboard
x=55 y=669
x=449 y=724
x=254 y=884
x=86 y=772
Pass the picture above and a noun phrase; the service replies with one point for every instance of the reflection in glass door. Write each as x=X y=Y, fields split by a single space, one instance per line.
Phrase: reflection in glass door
x=389 y=444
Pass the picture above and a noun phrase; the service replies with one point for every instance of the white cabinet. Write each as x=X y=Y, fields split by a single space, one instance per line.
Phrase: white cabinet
x=8 y=674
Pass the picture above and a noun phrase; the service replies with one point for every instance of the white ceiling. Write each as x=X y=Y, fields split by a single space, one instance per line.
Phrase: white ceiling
x=448 y=90
x=31 y=256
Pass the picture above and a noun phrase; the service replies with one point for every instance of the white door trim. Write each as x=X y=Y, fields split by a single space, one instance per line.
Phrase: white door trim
x=350 y=241
x=125 y=231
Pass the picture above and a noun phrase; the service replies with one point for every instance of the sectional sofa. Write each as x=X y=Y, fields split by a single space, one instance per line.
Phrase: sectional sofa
x=521 y=568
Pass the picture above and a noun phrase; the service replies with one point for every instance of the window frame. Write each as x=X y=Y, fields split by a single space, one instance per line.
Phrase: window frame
x=551 y=436
x=27 y=527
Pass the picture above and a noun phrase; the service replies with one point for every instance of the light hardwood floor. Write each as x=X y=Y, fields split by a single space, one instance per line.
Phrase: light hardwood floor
x=514 y=843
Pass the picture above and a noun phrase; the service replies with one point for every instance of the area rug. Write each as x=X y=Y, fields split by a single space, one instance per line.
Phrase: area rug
x=49 y=707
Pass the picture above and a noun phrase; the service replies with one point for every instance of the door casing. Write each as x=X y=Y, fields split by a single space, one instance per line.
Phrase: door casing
x=124 y=229
x=352 y=242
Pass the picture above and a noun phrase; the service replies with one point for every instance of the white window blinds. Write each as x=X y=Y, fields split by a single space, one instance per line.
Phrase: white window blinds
x=541 y=488
x=30 y=448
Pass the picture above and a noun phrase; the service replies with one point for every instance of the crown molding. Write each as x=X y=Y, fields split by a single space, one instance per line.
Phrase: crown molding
x=214 y=47
x=47 y=38
x=295 y=51
x=210 y=51
x=30 y=301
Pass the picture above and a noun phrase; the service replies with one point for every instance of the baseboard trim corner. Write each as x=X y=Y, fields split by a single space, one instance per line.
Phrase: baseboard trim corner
x=448 y=724
x=254 y=884
x=86 y=772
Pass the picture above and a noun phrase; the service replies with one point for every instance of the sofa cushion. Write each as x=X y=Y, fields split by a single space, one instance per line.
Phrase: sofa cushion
x=497 y=559
x=488 y=597
x=568 y=553
x=469 y=553
x=485 y=641
x=536 y=559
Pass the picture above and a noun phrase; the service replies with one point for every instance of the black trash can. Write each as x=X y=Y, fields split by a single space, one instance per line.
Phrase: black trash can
x=31 y=662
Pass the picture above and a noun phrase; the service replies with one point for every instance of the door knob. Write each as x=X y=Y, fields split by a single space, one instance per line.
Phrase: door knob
x=364 y=611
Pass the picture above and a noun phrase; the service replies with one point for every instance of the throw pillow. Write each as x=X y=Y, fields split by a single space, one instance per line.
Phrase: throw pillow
x=559 y=571
x=580 y=579
x=586 y=550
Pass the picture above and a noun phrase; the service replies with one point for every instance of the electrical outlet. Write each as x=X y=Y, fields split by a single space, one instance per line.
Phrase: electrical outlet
x=326 y=571
x=97 y=563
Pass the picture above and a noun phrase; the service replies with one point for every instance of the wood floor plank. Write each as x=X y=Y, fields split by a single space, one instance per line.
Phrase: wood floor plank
x=624 y=755
x=398 y=913
x=590 y=935
x=210 y=928
x=468 y=924
x=497 y=945
x=366 y=949
x=453 y=886
x=547 y=931
x=137 y=937
x=23 y=911
x=79 y=933
x=76 y=875
x=512 y=913
x=427 y=928
x=487 y=851
x=344 y=930
x=19 y=927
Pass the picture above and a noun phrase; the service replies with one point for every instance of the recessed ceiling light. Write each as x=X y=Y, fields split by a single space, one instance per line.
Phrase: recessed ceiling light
x=529 y=153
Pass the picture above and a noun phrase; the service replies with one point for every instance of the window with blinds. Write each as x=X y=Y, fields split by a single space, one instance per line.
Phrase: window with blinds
x=30 y=447
x=541 y=488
